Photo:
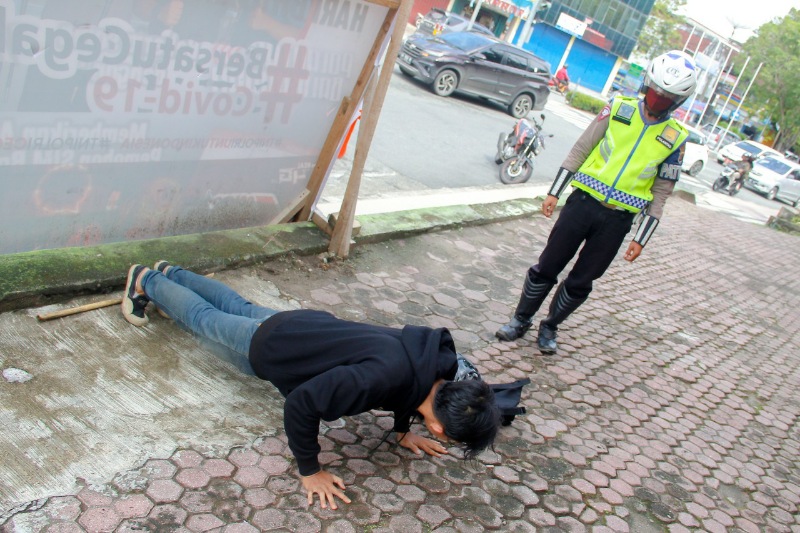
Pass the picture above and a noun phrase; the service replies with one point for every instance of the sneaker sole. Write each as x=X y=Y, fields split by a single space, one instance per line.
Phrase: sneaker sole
x=127 y=304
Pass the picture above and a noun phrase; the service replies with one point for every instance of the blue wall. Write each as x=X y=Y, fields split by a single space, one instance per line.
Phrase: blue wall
x=589 y=66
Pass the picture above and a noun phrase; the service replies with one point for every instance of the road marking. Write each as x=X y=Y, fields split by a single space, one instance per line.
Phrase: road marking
x=557 y=106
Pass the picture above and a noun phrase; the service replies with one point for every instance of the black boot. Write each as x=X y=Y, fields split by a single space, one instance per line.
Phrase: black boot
x=560 y=308
x=533 y=294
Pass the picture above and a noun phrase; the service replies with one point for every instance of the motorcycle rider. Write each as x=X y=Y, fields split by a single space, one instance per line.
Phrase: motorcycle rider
x=743 y=169
x=562 y=78
x=626 y=162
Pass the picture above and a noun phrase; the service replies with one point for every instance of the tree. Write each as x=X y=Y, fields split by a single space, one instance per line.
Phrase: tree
x=660 y=33
x=777 y=87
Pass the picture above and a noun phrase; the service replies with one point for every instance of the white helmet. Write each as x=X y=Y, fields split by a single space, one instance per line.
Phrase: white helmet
x=670 y=79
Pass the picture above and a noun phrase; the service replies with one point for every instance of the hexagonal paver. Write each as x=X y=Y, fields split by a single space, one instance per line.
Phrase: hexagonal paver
x=203 y=522
x=193 y=478
x=134 y=505
x=100 y=519
x=164 y=491
x=218 y=467
x=250 y=476
x=187 y=459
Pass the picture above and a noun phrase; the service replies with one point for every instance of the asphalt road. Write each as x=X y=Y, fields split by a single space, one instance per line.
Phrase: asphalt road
x=423 y=141
x=451 y=142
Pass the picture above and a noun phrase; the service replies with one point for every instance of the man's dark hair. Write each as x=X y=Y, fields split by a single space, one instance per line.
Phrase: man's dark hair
x=468 y=411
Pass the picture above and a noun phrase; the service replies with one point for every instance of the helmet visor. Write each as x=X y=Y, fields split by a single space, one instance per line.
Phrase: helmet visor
x=658 y=102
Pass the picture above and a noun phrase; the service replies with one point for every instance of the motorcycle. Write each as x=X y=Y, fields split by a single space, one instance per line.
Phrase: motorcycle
x=517 y=150
x=559 y=86
x=728 y=180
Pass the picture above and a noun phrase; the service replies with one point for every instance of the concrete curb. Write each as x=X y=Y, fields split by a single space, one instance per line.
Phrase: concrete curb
x=37 y=278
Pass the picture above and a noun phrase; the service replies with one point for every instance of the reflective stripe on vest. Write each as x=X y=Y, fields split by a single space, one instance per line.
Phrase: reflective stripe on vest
x=620 y=175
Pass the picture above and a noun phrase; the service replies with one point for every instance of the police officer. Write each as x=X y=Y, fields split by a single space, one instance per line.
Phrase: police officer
x=627 y=161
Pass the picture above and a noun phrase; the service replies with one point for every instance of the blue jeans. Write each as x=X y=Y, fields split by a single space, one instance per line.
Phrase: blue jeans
x=208 y=308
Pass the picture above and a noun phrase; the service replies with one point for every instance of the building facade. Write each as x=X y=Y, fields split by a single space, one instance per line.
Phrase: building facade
x=595 y=37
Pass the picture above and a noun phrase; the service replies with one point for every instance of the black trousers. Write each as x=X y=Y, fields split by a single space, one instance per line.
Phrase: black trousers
x=583 y=220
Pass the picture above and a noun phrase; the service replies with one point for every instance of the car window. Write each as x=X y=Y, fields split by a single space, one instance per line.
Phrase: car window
x=774 y=165
x=436 y=14
x=696 y=138
x=516 y=61
x=494 y=54
x=536 y=65
x=464 y=40
x=747 y=147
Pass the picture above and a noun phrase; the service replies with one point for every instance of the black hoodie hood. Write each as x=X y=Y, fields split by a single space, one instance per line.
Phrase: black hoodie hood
x=432 y=355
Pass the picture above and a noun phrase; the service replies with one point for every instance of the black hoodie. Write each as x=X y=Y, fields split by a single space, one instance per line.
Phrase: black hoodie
x=326 y=368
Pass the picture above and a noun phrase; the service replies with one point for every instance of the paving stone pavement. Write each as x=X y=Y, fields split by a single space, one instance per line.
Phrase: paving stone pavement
x=673 y=404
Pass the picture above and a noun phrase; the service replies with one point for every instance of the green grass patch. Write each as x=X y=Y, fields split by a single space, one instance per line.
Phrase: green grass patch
x=585 y=102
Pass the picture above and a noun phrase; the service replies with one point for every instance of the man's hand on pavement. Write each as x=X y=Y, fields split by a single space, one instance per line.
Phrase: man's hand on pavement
x=327 y=486
x=549 y=205
x=633 y=251
x=419 y=444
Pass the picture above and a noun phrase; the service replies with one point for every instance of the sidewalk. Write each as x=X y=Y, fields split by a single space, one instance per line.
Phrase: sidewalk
x=673 y=405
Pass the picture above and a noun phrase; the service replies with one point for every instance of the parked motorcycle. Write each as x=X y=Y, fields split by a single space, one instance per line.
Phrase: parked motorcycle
x=728 y=180
x=517 y=150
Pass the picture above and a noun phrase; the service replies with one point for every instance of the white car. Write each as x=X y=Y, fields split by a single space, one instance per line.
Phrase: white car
x=776 y=177
x=735 y=150
x=695 y=156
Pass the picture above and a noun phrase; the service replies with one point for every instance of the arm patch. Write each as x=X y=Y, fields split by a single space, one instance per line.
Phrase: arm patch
x=669 y=172
x=670 y=168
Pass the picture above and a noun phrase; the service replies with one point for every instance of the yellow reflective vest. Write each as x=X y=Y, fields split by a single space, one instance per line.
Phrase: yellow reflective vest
x=623 y=166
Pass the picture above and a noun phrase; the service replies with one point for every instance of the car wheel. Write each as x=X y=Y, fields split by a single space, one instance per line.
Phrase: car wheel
x=445 y=83
x=521 y=106
x=773 y=192
x=695 y=169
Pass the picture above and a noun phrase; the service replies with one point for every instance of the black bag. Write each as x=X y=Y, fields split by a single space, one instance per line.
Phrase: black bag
x=507 y=397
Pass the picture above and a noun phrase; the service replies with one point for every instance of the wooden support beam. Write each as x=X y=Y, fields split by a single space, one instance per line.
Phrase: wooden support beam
x=342 y=233
x=391 y=4
x=290 y=211
x=344 y=115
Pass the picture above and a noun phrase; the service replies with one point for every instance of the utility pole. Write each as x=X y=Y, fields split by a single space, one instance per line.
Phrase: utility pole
x=745 y=92
x=689 y=38
x=704 y=78
x=474 y=14
x=714 y=87
x=526 y=28
x=696 y=48
x=727 y=101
